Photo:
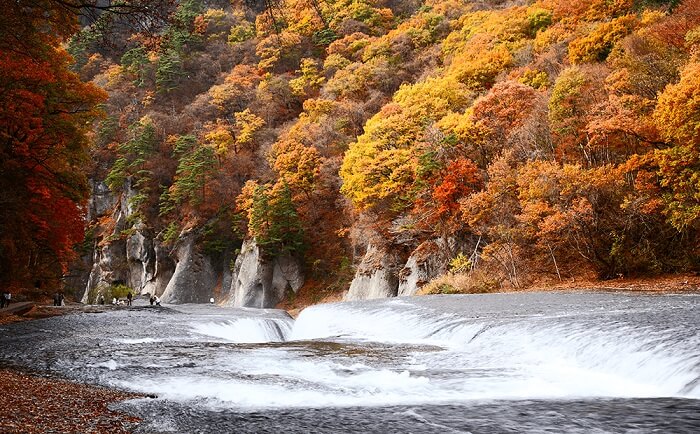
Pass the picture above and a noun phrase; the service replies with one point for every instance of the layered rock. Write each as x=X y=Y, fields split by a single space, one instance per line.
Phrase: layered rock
x=376 y=276
x=263 y=282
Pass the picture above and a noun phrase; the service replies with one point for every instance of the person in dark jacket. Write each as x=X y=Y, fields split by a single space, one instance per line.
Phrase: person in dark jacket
x=128 y=298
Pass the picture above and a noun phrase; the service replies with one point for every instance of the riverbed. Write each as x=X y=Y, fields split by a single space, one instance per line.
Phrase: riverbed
x=520 y=362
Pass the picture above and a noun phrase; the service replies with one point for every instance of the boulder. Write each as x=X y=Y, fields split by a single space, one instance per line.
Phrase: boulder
x=261 y=282
x=376 y=276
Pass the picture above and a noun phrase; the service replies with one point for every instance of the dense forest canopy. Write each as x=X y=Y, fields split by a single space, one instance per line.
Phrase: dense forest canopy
x=563 y=135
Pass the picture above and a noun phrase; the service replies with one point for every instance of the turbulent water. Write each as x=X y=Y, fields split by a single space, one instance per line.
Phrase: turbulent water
x=535 y=362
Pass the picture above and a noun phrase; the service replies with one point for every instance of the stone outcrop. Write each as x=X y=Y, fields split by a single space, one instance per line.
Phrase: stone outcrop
x=109 y=268
x=194 y=278
x=101 y=201
x=140 y=258
x=261 y=282
x=127 y=252
x=382 y=273
x=135 y=260
x=376 y=276
x=428 y=261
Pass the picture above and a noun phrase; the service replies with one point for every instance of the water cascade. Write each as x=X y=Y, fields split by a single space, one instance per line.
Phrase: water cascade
x=424 y=351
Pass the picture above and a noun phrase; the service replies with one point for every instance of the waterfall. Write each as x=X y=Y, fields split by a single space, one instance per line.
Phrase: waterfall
x=249 y=330
x=487 y=355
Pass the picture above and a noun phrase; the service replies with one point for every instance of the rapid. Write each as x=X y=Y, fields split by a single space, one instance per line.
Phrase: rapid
x=521 y=362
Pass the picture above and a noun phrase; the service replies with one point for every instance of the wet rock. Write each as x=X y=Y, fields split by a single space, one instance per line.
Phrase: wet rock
x=376 y=276
x=261 y=282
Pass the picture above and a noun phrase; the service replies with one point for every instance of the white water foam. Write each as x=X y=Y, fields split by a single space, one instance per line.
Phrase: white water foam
x=547 y=358
x=383 y=325
x=247 y=329
x=399 y=353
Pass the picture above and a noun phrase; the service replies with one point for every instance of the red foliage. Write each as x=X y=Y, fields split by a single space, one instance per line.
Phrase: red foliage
x=459 y=180
x=45 y=112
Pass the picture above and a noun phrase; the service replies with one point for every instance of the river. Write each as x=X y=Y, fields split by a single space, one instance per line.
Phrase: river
x=521 y=362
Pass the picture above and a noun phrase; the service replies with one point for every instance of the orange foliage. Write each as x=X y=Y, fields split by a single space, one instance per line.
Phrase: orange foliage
x=45 y=112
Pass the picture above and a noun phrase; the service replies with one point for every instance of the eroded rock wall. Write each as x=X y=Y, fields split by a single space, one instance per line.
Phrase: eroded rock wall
x=194 y=278
x=382 y=273
x=125 y=252
x=429 y=260
x=376 y=276
x=262 y=282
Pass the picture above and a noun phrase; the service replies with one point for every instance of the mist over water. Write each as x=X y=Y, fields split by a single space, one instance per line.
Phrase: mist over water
x=420 y=362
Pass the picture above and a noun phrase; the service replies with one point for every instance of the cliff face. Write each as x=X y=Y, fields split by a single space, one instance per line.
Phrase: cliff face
x=263 y=282
x=128 y=253
x=383 y=273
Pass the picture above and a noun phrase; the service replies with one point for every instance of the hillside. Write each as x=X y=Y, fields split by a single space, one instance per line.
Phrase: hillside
x=249 y=150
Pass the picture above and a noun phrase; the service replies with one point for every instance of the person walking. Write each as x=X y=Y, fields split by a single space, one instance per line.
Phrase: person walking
x=57 y=299
x=128 y=299
x=8 y=297
x=2 y=300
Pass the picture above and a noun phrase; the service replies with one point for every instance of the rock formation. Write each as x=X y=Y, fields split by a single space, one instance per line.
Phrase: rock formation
x=376 y=276
x=262 y=282
x=428 y=260
x=194 y=278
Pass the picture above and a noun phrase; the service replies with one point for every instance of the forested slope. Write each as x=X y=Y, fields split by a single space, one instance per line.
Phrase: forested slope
x=499 y=142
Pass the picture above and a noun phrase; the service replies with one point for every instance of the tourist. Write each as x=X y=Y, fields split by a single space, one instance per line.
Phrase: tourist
x=2 y=300
x=156 y=300
x=128 y=299
x=152 y=300
x=7 y=298
x=57 y=299
x=61 y=297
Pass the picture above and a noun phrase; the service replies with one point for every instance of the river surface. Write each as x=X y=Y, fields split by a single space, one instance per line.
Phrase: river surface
x=492 y=363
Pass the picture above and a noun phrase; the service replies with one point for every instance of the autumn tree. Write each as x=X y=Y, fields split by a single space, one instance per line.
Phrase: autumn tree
x=45 y=114
x=678 y=119
x=196 y=165
x=272 y=217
